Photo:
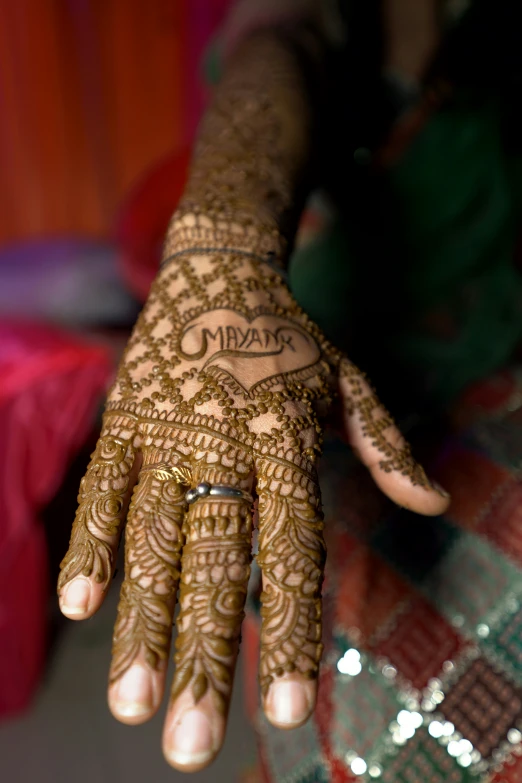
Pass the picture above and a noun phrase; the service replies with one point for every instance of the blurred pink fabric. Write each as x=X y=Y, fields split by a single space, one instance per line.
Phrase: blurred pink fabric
x=50 y=386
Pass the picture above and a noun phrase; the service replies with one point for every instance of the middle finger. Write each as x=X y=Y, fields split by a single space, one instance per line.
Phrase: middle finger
x=153 y=541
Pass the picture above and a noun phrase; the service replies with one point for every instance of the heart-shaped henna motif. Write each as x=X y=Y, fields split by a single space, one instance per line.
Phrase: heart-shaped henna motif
x=251 y=350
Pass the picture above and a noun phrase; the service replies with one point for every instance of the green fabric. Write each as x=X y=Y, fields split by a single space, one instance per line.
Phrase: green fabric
x=457 y=200
x=321 y=277
x=454 y=202
x=212 y=65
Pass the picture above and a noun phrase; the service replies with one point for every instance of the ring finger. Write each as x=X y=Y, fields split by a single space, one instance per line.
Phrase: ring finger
x=214 y=578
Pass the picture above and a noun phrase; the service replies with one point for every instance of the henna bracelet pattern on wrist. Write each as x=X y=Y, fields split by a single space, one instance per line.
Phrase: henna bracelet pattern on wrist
x=270 y=259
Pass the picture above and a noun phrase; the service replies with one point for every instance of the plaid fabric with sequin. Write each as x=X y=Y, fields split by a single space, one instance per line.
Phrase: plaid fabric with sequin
x=422 y=674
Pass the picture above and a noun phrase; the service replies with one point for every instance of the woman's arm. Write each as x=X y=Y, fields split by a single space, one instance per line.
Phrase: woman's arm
x=252 y=162
x=224 y=383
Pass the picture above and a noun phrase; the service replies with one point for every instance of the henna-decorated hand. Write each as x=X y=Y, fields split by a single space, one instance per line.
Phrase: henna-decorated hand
x=222 y=382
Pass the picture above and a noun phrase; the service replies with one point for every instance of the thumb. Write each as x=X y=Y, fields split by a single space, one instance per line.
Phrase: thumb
x=380 y=445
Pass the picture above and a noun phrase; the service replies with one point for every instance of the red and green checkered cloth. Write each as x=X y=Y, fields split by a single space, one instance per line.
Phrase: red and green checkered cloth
x=425 y=613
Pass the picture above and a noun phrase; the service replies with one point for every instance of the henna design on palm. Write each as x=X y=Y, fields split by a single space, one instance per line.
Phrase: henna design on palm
x=225 y=380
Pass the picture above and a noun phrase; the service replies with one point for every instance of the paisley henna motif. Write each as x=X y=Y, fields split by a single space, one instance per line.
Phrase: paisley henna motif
x=153 y=552
x=195 y=421
x=103 y=497
x=291 y=556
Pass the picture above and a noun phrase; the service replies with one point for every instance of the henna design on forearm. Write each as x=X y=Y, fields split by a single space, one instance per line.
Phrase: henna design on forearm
x=253 y=154
x=215 y=571
x=222 y=382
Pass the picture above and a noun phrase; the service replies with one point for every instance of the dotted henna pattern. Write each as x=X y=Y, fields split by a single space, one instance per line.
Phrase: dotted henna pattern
x=221 y=382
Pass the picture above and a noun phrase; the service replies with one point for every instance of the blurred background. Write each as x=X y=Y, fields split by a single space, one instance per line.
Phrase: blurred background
x=99 y=102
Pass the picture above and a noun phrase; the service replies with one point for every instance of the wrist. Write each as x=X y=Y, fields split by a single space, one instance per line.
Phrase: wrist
x=266 y=262
x=244 y=230
x=209 y=265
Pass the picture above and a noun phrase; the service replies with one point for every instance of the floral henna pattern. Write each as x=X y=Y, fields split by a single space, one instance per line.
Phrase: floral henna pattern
x=215 y=571
x=291 y=556
x=103 y=497
x=153 y=552
x=375 y=421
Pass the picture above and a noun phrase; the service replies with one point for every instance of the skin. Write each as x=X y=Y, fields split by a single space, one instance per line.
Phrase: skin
x=163 y=533
x=226 y=380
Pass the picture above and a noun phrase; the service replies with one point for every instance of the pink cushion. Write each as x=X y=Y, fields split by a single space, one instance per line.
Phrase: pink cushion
x=50 y=387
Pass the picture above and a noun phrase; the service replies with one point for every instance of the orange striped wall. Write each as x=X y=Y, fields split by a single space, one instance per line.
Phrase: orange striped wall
x=92 y=93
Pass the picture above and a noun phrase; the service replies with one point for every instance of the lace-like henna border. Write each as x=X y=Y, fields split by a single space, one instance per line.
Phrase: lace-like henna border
x=270 y=259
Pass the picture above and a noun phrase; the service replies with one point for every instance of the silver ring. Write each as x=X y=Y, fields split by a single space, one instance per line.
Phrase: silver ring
x=205 y=490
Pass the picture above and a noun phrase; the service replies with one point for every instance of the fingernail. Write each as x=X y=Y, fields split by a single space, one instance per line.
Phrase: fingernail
x=288 y=702
x=134 y=693
x=191 y=740
x=437 y=487
x=76 y=598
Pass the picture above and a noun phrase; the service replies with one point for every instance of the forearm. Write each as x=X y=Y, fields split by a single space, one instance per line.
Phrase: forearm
x=253 y=158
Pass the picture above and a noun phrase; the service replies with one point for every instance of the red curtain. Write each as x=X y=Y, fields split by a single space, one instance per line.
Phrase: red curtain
x=92 y=94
